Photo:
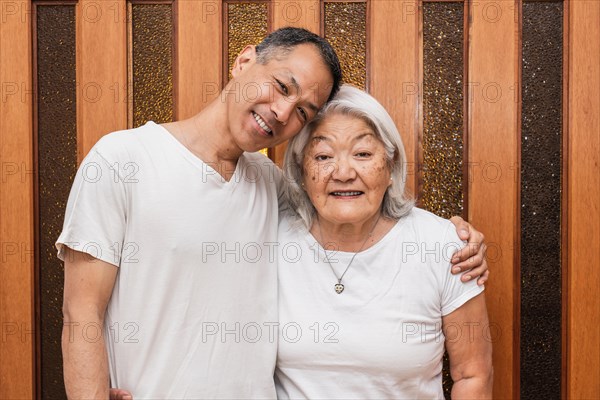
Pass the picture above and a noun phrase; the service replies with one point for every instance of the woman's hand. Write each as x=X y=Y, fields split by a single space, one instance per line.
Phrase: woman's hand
x=470 y=260
x=120 y=394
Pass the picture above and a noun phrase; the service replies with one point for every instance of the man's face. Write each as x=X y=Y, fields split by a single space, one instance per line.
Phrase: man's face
x=269 y=103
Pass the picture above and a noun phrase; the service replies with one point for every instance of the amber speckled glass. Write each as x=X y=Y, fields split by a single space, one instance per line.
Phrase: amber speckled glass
x=345 y=27
x=151 y=63
x=247 y=23
x=443 y=121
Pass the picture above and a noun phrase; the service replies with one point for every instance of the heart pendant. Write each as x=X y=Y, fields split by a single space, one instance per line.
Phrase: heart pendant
x=339 y=288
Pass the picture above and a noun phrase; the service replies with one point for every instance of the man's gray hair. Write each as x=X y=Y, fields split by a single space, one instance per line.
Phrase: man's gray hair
x=353 y=102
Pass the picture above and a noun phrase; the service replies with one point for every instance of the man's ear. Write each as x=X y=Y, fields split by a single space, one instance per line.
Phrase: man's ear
x=246 y=58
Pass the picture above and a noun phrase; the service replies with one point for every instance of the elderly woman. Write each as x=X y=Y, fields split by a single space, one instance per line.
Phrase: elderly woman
x=366 y=298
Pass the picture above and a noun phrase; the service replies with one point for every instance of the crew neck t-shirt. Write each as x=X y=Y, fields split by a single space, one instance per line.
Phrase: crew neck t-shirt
x=381 y=338
x=194 y=305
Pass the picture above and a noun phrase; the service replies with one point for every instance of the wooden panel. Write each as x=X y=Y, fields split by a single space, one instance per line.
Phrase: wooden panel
x=394 y=79
x=301 y=14
x=493 y=161
x=199 y=55
x=16 y=203
x=297 y=13
x=101 y=70
x=583 y=360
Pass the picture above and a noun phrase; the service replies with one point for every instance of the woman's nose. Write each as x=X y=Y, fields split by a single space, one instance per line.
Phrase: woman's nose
x=344 y=170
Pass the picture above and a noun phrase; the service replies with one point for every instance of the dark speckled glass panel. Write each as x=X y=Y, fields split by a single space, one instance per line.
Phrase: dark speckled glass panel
x=541 y=127
x=57 y=165
x=346 y=30
x=442 y=185
x=152 y=30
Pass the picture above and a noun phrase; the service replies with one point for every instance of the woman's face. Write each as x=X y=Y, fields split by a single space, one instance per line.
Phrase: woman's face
x=345 y=170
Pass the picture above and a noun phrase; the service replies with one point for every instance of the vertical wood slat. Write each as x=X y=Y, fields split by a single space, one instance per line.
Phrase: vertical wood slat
x=564 y=225
x=583 y=347
x=16 y=203
x=300 y=14
x=493 y=155
x=199 y=55
x=394 y=79
x=102 y=93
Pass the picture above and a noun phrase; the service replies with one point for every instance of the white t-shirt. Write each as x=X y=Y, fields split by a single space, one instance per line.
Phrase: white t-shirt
x=194 y=308
x=381 y=338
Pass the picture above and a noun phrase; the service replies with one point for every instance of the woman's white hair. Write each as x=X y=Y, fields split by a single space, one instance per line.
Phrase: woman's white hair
x=353 y=102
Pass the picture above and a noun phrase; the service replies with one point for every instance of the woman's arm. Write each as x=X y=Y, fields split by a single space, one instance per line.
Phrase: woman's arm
x=470 y=350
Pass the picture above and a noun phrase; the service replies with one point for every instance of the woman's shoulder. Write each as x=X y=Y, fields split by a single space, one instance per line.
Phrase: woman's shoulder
x=427 y=230
x=425 y=223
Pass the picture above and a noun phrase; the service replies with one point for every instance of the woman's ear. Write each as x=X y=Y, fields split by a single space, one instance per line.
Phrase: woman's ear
x=246 y=58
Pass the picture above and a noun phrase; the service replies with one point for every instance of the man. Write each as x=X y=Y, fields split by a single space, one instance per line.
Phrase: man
x=170 y=243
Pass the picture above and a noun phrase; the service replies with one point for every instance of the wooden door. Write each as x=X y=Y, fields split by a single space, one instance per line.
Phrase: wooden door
x=498 y=105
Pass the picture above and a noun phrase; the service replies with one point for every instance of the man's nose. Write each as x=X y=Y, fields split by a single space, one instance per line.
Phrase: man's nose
x=282 y=108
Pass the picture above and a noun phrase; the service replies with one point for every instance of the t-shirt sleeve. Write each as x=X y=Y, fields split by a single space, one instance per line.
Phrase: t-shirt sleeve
x=455 y=293
x=96 y=211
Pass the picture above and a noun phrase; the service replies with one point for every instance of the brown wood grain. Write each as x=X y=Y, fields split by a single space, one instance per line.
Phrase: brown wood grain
x=583 y=345
x=394 y=79
x=102 y=92
x=199 y=33
x=493 y=164
x=16 y=204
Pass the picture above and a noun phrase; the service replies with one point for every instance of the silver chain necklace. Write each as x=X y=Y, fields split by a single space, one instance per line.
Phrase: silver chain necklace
x=339 y=287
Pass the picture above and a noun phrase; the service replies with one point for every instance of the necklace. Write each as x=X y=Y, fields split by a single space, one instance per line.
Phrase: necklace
x=339 y=287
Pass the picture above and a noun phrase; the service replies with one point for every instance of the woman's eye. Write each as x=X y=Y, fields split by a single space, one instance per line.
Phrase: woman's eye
x=363 y=154
x=322 y=157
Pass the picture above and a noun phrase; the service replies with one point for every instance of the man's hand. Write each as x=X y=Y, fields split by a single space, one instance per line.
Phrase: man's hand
x=471 y=259
x=120 y=394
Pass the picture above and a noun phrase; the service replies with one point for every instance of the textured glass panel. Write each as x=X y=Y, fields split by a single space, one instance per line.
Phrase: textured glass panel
x=247 y=24
x=346 y=30
x=442 y=142
x=57 y=165
x=541 y=129
x=152 y=31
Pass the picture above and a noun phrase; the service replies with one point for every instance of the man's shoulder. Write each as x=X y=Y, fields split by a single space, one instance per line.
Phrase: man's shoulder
x=128 y=141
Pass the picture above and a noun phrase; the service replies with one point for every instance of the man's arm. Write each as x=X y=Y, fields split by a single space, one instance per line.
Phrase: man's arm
x=469 y=350
x=88 y=287
x=470 y=260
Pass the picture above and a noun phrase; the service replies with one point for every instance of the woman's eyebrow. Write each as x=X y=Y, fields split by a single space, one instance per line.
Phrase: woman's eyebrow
x=362 y=136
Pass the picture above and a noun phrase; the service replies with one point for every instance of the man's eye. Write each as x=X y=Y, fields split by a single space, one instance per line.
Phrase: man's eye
x=303 y=114
x=282 y=86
